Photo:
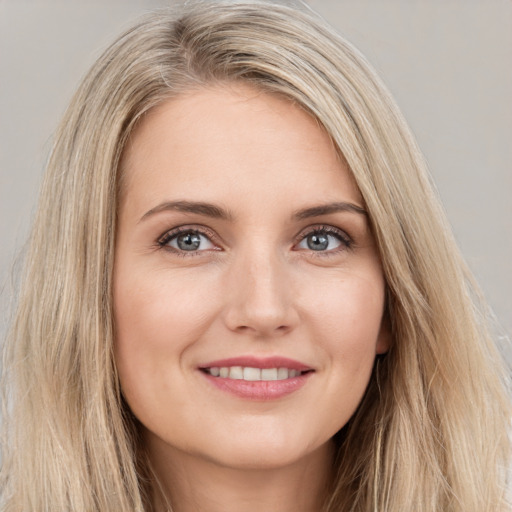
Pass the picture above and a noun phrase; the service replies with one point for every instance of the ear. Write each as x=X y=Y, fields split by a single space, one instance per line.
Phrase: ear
x=384 y=338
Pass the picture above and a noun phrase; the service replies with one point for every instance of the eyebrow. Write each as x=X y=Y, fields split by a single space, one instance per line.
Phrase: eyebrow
x=211 y=210
x=200 y=208
x=326 y=209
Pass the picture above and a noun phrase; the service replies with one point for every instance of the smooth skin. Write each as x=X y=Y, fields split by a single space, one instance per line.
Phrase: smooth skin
x=257 y=271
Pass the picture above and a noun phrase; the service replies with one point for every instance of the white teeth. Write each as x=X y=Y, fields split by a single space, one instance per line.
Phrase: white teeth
x=236 y=372
x=269 y=374
x=282 y=373
x=252 y=374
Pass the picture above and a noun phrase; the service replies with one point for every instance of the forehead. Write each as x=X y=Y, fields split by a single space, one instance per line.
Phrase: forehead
x=233 y=137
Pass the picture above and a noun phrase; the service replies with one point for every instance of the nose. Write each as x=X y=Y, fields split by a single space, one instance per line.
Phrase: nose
x=260 y=298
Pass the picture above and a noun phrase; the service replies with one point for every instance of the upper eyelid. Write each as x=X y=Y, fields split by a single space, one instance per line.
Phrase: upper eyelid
x=323 y=227
x=203 y=230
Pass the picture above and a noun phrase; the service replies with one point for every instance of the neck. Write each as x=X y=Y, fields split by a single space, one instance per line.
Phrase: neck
x=192 y=484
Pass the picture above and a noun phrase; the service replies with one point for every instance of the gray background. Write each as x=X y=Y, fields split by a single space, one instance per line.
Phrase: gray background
x=448 y=63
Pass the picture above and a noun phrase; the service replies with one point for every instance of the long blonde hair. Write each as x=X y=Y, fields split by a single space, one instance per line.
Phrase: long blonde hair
x=431 y=432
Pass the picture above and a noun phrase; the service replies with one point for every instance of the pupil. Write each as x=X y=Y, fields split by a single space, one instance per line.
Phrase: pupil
x=318 y=242
x=189 y=242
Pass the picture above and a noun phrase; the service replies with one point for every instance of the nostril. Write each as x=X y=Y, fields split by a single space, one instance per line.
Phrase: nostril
x=281 y=329
x=265 y=316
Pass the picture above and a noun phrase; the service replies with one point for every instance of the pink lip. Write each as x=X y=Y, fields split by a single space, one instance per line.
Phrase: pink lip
x=259 y=390
x=259 y=362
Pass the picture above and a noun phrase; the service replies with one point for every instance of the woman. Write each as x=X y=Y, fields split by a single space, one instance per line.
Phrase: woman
x=241 y=293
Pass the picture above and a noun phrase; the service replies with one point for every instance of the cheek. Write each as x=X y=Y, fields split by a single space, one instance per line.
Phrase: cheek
x=157 y=318
x=157 y=307
x=350 y=339
x=348 y=309
x=346 y=322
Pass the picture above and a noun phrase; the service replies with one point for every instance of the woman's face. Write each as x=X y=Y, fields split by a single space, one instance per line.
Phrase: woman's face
x=248 y=291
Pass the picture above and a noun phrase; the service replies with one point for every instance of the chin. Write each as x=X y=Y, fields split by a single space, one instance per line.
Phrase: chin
x=265 y=452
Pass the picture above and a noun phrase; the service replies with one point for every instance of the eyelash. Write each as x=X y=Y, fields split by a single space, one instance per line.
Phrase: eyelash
x=341 y=236
x=345 y=240
x=164 y=240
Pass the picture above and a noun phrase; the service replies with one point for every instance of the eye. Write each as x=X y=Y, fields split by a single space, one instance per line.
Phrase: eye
x=324 y=240
x=187 y=240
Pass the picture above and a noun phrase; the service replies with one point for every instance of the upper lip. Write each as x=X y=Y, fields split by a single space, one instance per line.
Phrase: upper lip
x=258 y=362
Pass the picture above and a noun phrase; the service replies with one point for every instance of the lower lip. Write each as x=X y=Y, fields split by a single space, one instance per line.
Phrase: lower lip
x=259 y=389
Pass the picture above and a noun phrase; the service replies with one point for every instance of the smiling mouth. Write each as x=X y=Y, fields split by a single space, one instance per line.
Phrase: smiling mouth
x=257 y=378
x=252 y=374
